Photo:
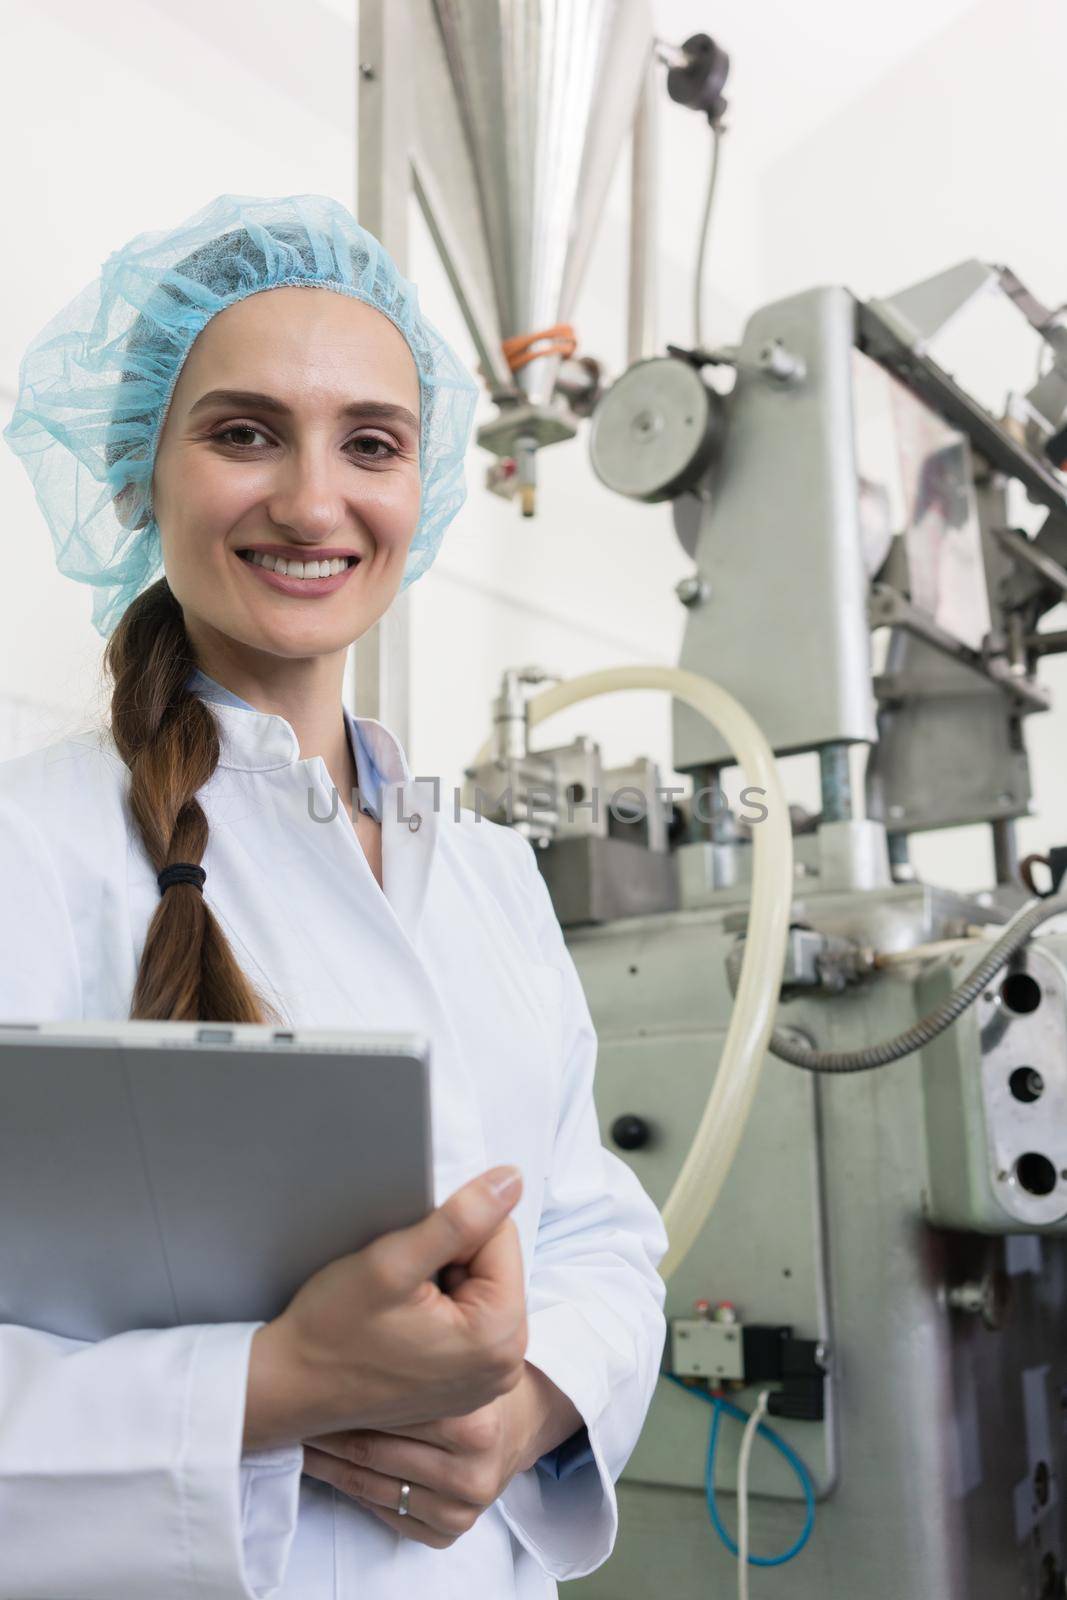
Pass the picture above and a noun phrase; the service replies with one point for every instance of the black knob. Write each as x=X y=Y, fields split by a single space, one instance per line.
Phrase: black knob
x=630 y=1132
x=700 y=81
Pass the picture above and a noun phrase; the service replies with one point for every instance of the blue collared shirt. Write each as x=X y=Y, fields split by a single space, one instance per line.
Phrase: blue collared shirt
x=574 y=1452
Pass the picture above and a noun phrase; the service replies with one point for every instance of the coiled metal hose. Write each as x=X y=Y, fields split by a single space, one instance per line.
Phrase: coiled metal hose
x=928 y=1027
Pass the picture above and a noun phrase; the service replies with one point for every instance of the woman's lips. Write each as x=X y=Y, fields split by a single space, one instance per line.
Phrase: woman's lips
x=303 y=588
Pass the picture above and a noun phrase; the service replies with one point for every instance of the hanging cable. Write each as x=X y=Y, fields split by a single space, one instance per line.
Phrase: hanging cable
x=748 y=1439
x=702 y=251
x=721 y=1406
x=927 y=1028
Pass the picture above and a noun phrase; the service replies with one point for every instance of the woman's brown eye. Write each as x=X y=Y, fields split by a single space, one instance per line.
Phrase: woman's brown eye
x=374 y=449
x=240 y=436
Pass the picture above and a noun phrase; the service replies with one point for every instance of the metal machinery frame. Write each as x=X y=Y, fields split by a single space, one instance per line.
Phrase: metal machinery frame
x=906 y=1225
x=888 y=1253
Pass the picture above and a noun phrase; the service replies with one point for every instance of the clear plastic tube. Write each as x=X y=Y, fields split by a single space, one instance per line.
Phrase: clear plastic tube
x=722 y=1123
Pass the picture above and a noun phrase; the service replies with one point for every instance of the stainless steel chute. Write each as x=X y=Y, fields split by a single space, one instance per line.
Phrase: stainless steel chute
x=522 y=109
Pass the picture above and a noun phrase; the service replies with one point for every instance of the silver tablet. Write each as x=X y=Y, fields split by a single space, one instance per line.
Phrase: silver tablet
x=153 y=1174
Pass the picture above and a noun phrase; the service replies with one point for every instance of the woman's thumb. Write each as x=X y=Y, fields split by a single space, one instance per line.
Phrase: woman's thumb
x=457 y=1230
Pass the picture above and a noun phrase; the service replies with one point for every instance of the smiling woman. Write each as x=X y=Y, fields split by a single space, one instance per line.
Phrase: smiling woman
x=255 y=404
x=295 y=413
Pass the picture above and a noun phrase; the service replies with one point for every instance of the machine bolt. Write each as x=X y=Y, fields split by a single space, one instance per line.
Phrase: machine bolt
x=648 y=423
x=986 y=1297
x=795 y=1036
x=967 y=1297
x=693 y=591
x=777 y=362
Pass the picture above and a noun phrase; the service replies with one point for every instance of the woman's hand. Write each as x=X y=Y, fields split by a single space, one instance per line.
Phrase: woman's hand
x=457 y=1467
x=370 y=1341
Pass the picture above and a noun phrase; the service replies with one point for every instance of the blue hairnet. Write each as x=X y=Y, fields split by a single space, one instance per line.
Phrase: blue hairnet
x=95 y=385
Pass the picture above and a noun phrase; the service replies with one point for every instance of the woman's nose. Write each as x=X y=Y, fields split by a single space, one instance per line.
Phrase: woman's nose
x=307 y=496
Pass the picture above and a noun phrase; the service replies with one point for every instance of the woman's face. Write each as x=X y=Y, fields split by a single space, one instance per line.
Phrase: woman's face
x=293 y=432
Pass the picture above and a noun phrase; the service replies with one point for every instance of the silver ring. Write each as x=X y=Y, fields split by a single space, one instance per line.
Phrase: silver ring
x=405 y=1496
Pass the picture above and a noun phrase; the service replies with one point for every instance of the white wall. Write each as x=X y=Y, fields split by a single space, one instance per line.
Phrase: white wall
x=115 y=119
x=863 y=148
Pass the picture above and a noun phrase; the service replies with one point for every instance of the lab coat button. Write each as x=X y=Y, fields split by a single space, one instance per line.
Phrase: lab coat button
x=414 y=822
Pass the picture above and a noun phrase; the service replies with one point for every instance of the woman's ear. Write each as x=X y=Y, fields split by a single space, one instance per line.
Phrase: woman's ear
x=130 y=508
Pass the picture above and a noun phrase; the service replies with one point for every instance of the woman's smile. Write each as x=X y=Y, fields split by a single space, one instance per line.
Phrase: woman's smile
x=306 y=579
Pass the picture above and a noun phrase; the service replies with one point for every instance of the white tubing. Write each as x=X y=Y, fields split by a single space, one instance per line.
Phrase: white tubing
x=748 y=1439
x=719 y=1132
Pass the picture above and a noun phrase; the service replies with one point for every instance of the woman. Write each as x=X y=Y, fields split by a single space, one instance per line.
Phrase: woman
x=236 y=400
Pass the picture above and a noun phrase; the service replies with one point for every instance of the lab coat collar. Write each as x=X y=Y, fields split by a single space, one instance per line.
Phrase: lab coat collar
x=264 y=741
x=261 y=741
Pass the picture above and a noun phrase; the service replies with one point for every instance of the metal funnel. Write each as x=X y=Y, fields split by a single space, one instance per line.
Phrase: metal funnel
x=522 y=108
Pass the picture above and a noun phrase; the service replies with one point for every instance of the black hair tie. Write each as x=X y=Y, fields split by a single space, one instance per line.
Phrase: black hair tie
x=181 y=872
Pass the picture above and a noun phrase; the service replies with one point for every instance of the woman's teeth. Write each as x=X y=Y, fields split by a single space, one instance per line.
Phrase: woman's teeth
x=298 y=569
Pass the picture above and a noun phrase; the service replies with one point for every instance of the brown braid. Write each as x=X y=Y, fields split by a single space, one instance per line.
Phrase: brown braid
x=169 y=740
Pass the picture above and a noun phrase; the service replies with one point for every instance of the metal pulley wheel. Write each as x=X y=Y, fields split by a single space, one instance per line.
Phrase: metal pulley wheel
x=656 y=431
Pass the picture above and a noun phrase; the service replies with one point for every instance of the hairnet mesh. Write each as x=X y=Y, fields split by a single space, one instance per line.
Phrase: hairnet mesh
x=95 y=385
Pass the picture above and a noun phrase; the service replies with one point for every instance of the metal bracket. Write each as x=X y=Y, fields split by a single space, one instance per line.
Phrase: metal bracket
x=887 y=608
x=1029 y=553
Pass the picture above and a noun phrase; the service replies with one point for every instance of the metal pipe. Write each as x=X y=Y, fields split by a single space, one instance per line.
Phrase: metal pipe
x=900 y=867
x=1029 y=552
x=510 y=730
x=1005 y=851
x=712 y=822
x=380 y=660
x=722 y=820
x=836 y=781
x=526 y=462
x=644 y=193
x=1053 y=643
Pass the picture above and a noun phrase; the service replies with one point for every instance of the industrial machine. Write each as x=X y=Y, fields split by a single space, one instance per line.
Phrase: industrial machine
x=888 y=1253
x=846 y=1086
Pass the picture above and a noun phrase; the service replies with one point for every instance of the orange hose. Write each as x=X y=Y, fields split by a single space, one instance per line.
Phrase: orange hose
x=558 y=340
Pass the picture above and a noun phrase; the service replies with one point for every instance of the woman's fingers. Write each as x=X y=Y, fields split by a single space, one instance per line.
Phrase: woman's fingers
x=438 y=1513
x=340 y=1444
x=455 y=1231
x=452 y=1276
x=474 y=1433
x=494 y=1272
x=386 y=1455
x=409 y=1527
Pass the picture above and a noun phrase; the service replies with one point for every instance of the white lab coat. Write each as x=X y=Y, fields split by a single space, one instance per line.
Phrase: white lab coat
x=121 y=1472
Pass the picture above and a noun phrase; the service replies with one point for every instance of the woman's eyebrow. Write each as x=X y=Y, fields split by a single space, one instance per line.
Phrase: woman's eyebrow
x=374 y=410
